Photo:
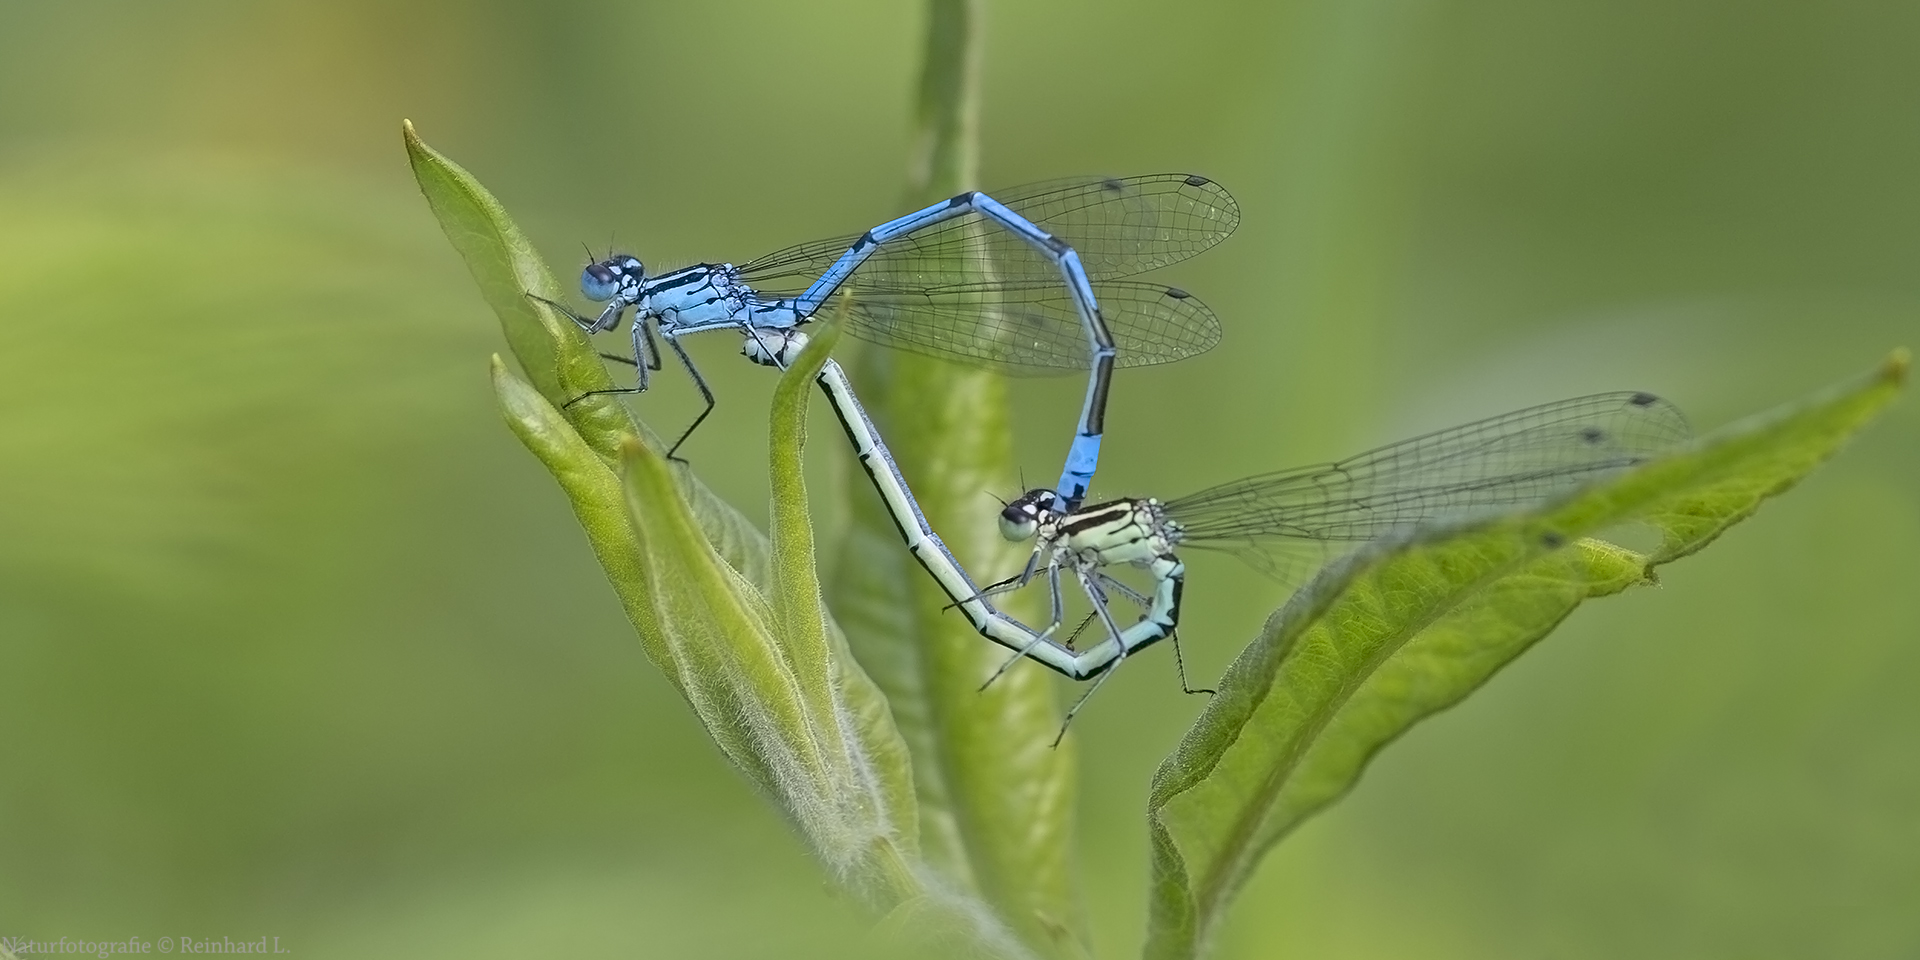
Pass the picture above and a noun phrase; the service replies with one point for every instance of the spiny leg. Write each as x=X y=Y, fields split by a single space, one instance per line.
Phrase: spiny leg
x=609 y=318
x=1090 y=584
x=699 y=382
x=644 y=329
x=1008 y=585
x=1180 y=664
x=1024 y=577
x=1080 y=628
x=1077 y=704
x=602 y=393
x=990 y=590
x=1059 y=614
x=1098 y=597
x=1138 y=599
x=652 y=355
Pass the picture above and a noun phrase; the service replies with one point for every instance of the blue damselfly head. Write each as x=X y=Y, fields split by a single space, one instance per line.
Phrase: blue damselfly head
x=1021 y=519
x=614 y=276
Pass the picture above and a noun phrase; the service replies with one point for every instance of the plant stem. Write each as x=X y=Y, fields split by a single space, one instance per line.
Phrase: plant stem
x=996 y=803
x=946 y=148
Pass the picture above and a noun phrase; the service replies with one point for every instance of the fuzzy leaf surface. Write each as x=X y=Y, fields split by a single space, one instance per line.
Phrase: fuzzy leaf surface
x=749 y=646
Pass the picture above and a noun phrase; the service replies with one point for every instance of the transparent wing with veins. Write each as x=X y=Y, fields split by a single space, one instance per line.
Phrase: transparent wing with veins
x=1118 y=226
x=1504 y=462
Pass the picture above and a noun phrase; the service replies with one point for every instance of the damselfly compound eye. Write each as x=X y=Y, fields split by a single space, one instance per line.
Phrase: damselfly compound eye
x=1021 y=518
x=1017 y=526
x=601 y=281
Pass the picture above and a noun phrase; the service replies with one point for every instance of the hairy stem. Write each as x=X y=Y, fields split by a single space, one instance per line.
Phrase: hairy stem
x=996 y=802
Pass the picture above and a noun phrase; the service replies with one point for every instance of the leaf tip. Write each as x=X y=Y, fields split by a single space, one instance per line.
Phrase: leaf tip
x=518 y=399
x=503 y=379
x=416 y=147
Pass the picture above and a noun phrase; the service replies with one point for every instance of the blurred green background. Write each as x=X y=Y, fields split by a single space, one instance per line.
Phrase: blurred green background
x=298 y=642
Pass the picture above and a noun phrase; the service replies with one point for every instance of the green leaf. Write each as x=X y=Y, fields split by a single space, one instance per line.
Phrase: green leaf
x=556 y=355
x=502 y=261
x=813 y=645
x=737 y=626
x=758 y=673
x=1403 y=629
x=996 y=804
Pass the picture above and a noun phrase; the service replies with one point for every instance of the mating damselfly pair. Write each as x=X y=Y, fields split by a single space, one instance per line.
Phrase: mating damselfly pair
x=1034 y=280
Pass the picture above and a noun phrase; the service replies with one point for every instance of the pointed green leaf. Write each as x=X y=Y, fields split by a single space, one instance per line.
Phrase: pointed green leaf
x=556 y=356
x=1403 y=629
x=763 y=675
x=757 y=673
x=813 y=645
x=594 y=491
x=502 y=261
